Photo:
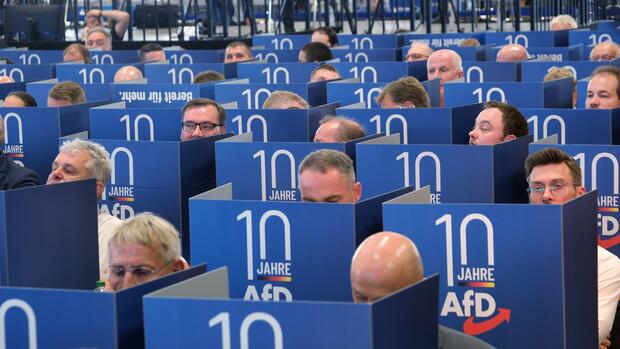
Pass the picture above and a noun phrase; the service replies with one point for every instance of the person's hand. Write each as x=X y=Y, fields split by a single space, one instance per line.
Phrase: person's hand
x=606 y=343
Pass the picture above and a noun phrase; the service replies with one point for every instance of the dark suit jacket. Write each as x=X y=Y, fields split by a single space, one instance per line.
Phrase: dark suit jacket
x=451 y=339
x=13 y=176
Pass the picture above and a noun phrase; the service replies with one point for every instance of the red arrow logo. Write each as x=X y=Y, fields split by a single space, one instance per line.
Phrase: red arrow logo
x=606 y=244
x=472 y=328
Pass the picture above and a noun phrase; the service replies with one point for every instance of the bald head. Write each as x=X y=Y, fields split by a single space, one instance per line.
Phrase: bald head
x=6 y=79
x=127 y=73
x=418 y=52
x=605 y=51
x=337 y=129
x=512 y=53
x=384 y=263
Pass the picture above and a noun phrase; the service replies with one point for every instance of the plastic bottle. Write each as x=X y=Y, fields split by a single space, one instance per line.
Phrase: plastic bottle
x=100 y=286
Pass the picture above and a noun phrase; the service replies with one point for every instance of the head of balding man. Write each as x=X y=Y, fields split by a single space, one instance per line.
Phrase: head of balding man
x=605 y=51
x=418 y=52
x=512 y=53
x=127 y=73
x=384 y=263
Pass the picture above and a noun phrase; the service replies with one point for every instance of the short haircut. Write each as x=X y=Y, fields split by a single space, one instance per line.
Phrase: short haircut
x=325 y=159
x=25 y=97
x=238 y=44
x=556 y=73
x=325 y=67
x=152 y=232
x=348 y=129
x=150 y=47
x=317 y=52
x=107 y=34
x=471 y=42
x=564 y=19
x=207 y=76
x=281 y=97
x=68 y=90
x=611 y=43
x=199 y=102
x=611 y=70
x=83 y=51
x=548 y=156
x=100 y=166
x=406 y=89
x=331 y=34
x=514 y=122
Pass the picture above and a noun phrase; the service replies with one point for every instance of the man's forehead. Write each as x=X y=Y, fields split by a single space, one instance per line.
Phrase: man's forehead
x=555 y=170
x=610 y=79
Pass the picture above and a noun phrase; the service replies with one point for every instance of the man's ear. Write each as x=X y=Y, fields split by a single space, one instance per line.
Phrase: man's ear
x=408 y=104
x=581 y=190
x=460 y=74
x=357 y=190
x=180 y=264
x=509 y=138
x=100 y=188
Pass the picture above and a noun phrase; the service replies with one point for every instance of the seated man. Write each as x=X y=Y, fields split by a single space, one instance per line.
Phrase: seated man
x=128 y=73
x=76 y=52
x=555 y=178
x=12 y=175
x=152 y=52
x=497 y=123
x=325 y=35
x=207 y=76
x=5 y=79
x=79 y=159
x=512 y=53
x=418 y=52
x=387 y=262
x=471 y=42
x=405 y=92
x=562 y=73
x=285 y=100
x=445 y=65
x=118 y=21
x=315 y=52
x=604 y=88
x=98 y=38
x=324 y=72
x=562 y=22
x=328 y=176
x=143 y=248
x=237 y=51
x=65 y=93
x=338 y=129
x=605 y=51
x=202 y=117
x=19 y=99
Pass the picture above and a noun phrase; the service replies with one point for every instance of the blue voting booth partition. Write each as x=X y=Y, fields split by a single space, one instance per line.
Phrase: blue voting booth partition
x=276 y=73
x=380 y=71
x=271 y=55
x=253 y=95
x=160 y=95
x=351 y=91
x=180 y=73
x=300 y=257
x=404 y=319
x=456 y=173
x=369 y=41
x=115 y=121
x=31 y=134
x=517 y=276
x=548 y=94
x=40 y=90
x=536 y=70
x=89 y=73
x=114 y=57
x=69 y=318
x=467 y=54
x=527 y=39
x=591 y=38
x=158 y=177
x=490 y=71
x=7 y=88
x=575 y=126
x=278 y=125
x=554 y=54
x=599 y=168
x=181 y=56
x=24 y=72
x=417 y=125
x=280 y=42
x=444 y=40
x=49 y=236
x=32 y=57
x=374 y=55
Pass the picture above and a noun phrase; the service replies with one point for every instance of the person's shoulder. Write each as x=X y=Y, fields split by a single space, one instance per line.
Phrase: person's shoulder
x=17 y=176
x=451 y=339
x=107 y=220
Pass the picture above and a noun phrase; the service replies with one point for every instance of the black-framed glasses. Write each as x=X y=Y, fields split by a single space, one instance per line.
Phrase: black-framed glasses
x=538 y=190
x=206 y=126
x=415 y=57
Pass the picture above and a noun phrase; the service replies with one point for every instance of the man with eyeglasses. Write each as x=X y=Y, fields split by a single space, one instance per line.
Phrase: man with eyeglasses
x=445 y=65
x=555 y=178
x=143 y=248
x=418 y=51
x=202 y=117
x=604 y=88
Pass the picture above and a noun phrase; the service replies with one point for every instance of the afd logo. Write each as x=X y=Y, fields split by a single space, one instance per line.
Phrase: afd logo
x=432 y=159
x=277 y=192
x=267 y=268
x=604 y=173
x=13 y=136
x=474 y=305
x=30 y=317
x=120 y=192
